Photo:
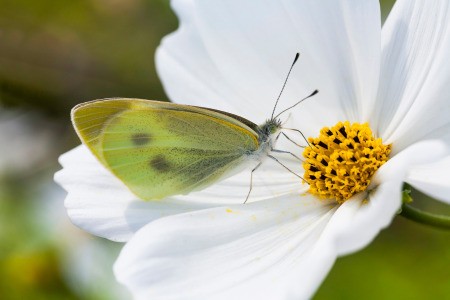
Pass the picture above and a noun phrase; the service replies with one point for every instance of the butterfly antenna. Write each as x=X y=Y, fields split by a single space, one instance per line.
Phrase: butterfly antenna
x=284 y=84
x=307 y=97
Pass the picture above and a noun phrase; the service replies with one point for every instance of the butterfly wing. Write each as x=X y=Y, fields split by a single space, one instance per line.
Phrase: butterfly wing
x=160 y=149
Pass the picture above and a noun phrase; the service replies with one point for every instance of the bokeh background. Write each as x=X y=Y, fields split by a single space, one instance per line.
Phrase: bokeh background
x=55 y=54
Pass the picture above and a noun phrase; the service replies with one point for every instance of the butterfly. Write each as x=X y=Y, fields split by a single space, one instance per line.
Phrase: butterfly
x=159 y=149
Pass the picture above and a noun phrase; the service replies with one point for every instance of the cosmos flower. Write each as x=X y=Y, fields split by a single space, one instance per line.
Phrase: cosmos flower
x=381 y=119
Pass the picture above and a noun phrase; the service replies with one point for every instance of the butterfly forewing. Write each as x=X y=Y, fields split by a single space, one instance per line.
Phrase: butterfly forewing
x=161 y=149
x=90 y=118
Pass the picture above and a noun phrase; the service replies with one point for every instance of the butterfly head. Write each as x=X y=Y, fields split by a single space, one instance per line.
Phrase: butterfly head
x=270 y=127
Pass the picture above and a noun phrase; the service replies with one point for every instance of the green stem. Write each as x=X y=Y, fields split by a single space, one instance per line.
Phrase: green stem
x=426 y=218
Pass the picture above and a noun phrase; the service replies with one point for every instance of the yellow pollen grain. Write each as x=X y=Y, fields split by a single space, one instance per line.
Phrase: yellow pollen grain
x=342 y=160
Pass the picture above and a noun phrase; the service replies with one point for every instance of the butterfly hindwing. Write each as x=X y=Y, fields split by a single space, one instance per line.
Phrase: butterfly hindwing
x=161 y=149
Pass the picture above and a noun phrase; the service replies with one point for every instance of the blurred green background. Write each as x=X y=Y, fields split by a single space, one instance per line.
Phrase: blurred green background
x=55 y=54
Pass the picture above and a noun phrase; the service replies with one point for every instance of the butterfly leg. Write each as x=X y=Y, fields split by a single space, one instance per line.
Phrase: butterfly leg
x=286 y=152
x=289 y=139
x=275 y=159
x=296 y=130
x=251 y=181
x=292 y=141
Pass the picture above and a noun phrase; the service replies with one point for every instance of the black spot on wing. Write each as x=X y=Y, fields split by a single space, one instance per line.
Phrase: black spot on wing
x=160 y=163
x=141 y=139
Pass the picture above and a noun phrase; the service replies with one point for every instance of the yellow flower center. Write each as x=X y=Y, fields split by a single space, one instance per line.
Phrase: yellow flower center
x=342 y=160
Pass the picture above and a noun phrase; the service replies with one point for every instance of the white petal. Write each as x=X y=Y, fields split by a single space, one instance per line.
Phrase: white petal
x=276 y=249
x=280 y=248
x=234 y=55
x=432 y=179
x=415 y=85
x=183 y=64
x=418 y=154
x=222 y=253
x=384 y=196
x=100 y=203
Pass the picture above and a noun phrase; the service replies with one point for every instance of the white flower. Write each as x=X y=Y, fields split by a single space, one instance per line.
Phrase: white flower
x=232 y=55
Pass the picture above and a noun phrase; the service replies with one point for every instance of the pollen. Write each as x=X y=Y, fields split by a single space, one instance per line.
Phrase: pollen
x=342 y=160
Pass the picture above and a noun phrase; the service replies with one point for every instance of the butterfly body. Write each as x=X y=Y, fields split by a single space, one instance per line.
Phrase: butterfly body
x=159 y=149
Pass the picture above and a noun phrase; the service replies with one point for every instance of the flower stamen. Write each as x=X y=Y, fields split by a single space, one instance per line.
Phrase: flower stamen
x=342 y=160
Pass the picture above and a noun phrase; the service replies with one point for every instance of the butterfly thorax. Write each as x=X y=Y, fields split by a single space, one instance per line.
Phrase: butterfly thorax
x=266 y=138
